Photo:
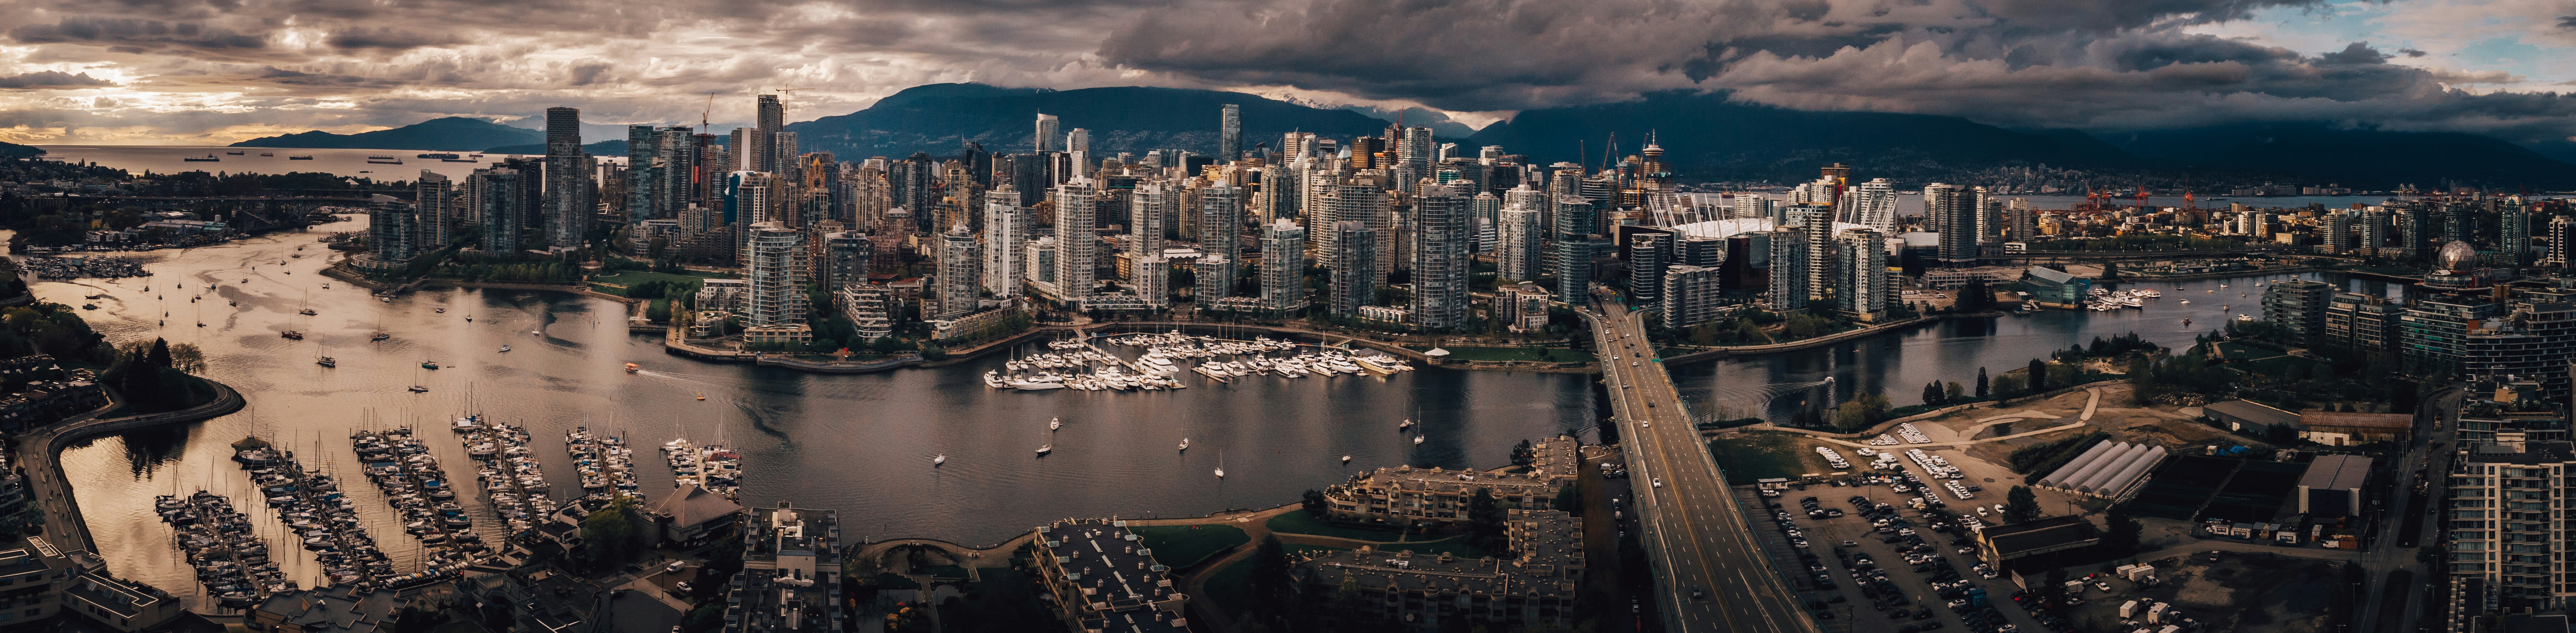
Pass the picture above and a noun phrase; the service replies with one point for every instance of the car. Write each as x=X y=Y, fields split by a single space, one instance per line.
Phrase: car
x=1659 y=482
x=1898 y=614
x=1851 y=544
x=2104 y=586
x=1696 y=593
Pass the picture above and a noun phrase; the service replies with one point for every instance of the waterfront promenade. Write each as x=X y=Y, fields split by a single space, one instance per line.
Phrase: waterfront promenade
x=40 y=452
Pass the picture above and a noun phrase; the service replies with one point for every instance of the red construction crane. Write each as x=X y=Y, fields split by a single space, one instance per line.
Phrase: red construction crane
x=2142 y=198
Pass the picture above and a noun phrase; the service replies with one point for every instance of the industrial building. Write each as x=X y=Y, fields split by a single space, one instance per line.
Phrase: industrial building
x=2109 y=470
x=2332 y=486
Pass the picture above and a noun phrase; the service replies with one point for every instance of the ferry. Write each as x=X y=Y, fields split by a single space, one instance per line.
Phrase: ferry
x=396 y=161
x=210 y=158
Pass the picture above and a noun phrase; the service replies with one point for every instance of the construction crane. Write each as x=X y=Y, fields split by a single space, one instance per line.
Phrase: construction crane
x=2142 y=198
x=703 y=126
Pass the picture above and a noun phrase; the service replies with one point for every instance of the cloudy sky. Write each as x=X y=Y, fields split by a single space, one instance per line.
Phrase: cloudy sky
x=204 y=72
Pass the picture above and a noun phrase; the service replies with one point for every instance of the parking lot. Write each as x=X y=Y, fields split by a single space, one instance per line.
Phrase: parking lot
x=1868 y=560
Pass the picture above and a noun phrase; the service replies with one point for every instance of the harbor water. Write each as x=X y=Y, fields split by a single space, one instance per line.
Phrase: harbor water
x=861 y=444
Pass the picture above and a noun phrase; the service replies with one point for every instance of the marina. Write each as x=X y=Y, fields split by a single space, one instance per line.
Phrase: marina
x=310 y=503
x=713 y=468
x=1081 y=364
x=232 y=563
x=513 y=481
x=603 y=463
x=419 y=491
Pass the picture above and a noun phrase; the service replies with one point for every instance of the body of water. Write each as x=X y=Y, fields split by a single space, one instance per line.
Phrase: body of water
x=170 y=159
x=860 y=444
x=1898 y=365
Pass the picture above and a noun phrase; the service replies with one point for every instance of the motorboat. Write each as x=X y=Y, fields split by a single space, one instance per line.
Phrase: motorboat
x=1406 y=424
x=1055 y=423
x=1050 y=448
x=1185 y=443
x=429 y=364
x=380 y=336
x=1346 y=459
x=1417 y=439
x=632 y=368
x=936 y=460
x=418 y=389
x=505 y=348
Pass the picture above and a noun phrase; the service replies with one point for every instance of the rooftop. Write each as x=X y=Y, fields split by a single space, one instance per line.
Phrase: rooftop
x=2263 y=414
x=2336 y=472
x=1116 y=574
x=2039 y=536
x=2390 y=421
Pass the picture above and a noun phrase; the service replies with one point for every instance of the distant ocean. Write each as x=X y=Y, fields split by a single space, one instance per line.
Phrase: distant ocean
x=167 y=159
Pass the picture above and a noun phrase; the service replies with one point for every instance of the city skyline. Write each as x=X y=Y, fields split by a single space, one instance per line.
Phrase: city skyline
x=89 y=74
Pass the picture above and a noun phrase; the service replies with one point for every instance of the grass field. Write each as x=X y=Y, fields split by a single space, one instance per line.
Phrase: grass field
x=1762 y=455
x=1298 y=522
x=1181 y=546
x=1519 y=354
x=1231 y=587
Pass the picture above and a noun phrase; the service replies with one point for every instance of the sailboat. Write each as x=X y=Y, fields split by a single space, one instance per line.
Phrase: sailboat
x=416 y=387
x=1185 y=443
x=1220 y=464
x=1406 y=424
x=326 y=361
x=1055 y=423
x=505 y=348
x=1417 y=439
x=936 y=460
x=1050 y=448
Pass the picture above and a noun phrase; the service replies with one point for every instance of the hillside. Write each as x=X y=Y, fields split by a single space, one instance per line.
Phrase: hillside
x=937 y=118
x=2364 y=158
x=460 y=134
x=14 y=150
x=1706 y=137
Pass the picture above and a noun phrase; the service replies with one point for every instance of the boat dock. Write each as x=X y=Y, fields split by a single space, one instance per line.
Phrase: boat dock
x=309 y=502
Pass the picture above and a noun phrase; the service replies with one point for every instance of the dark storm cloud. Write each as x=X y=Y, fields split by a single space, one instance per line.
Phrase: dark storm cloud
x=2095 y=64
x=386 y=38
x=51 y=79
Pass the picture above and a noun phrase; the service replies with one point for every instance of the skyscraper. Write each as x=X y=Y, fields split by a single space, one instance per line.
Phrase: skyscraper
x=1649 y=253
x=500 y=205
x=777 y=272
x=2562 y=241
x=437 y=209
x=1146 y=211
x=1573 y=249
x=1005 y=227
x=1076 y=243
x=568 y=183
x=1443 y=225
x=1954 y=212
x=1359 y=199
x=392 y=228
x=1046 y=138
x=1518 y=246
x=1283 y=265
x=1690 y=295
x=959 y=262
x=1220 y=227
x=1229 y=135
x=1078 y=141
x=1787 y=289
x=2335 y=231
x=2513 y=231
x=1354 y=260
x=1153 y=280
x=1817 y=220
x=1861 y=260
x=643 y=171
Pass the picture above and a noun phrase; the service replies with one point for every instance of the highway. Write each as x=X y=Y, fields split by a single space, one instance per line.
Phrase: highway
x=1693 y=528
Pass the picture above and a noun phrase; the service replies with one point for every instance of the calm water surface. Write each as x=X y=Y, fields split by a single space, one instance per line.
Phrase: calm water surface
x=857 y=443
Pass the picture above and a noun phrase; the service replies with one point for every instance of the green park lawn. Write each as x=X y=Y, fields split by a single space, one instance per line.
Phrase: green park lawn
x=1762 y=455
x=1182 y=546
x=1298 y=522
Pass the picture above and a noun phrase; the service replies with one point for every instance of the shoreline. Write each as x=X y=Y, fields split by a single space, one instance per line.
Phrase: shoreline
x=48 y=482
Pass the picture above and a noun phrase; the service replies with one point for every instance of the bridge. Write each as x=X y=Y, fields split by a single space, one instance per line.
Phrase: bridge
x=1693 y=529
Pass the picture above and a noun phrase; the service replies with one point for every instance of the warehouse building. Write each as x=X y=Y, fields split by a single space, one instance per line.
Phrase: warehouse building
x=2332 y=486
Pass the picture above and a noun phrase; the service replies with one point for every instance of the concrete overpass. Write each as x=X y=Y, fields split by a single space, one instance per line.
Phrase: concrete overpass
x=1693 y=529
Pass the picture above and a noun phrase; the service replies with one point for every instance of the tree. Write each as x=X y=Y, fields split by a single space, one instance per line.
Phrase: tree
x=1932 y=393
x=2020 y=504
x=608 y=534
x=186 y=357
x=1523 y=454
x=1981 y=383
x=1569 y=500
x=1485 y=523
x=2038 y=375
x=1952 y=392
x=1314 y=503
x=160 y=355
x=2122 y=535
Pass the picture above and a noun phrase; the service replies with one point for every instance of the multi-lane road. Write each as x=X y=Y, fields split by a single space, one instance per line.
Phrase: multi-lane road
x=1693 y=528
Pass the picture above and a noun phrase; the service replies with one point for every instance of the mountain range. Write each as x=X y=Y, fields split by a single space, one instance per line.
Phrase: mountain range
x=454 y=134
x=1705 y=136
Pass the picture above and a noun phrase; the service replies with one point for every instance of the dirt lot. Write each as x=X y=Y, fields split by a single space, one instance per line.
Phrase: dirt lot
x=2254 y=593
